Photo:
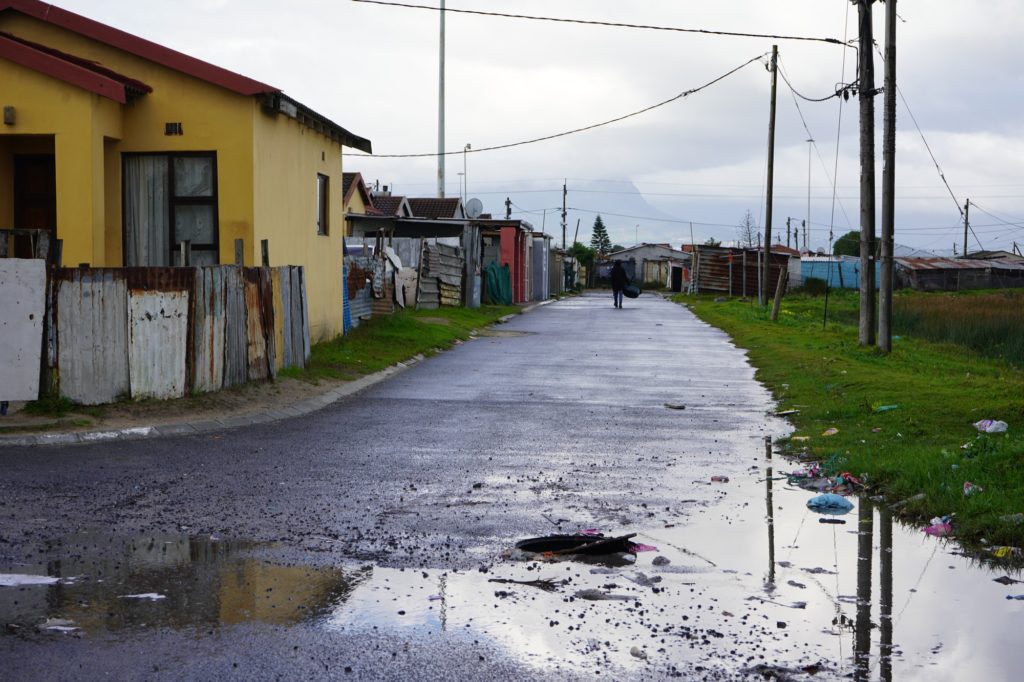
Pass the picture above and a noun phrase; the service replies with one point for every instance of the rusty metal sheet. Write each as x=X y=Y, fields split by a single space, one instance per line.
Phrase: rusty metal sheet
x=266 y=292
x=278 y=303
x=286 y=317
x=208 y=330
x=236 y=354
x=160 y=279
x=295 y=319
x=92 y=335
x=256 y=340
x=305 y=317
x=157 y=342
x=22 y=305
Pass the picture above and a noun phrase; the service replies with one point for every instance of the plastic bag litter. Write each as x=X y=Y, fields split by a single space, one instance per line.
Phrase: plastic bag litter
x=940 y=526
x=885 y=408
x=991 y=426
x=972 y=488
x=830 y=432
x=1004 y=552
x=830 y=503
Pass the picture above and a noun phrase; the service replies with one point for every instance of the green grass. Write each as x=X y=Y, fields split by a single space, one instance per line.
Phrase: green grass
x=988 y=322
x=941 y=390
x=385 y=340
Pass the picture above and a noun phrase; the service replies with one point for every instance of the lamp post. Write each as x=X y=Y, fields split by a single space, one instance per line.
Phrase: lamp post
x=465 y=176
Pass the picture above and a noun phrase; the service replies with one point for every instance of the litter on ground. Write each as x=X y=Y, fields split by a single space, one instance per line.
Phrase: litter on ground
x=991 y=426
x=829 y=503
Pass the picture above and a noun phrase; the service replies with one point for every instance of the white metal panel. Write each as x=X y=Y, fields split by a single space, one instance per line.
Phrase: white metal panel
x=158 y=337
x=22 y=304
x=92 y=343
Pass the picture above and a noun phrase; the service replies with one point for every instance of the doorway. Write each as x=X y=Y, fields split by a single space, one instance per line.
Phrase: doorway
x=35 y=199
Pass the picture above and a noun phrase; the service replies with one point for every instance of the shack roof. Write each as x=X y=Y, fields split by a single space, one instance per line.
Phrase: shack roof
x=956 y=264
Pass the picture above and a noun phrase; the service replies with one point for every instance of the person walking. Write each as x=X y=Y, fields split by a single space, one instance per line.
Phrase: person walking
x=619 y=281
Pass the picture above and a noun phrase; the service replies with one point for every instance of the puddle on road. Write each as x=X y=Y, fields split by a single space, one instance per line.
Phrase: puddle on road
x=756 y=584
x=166 y=581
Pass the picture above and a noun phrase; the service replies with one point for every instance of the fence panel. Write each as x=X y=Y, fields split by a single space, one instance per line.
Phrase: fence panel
x=92 y=335
x=236 y=359
x=157 y=343
x=22 y=308
x=208 y=335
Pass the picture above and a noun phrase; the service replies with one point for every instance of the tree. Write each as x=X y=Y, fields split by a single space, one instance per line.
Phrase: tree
x=584 y=255
x=747 y=231
x=616 y=248
x=712 y=242
x=849 y=245
x=599 y=240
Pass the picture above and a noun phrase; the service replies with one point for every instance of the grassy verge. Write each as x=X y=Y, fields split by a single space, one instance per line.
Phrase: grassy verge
x=382 y=341
x=927 y=444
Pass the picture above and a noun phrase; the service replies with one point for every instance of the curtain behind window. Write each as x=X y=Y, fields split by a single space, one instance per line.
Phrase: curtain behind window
x=147 y=233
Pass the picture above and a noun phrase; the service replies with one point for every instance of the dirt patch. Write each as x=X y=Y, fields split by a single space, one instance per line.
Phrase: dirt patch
x=436 y=320
x=231 y=402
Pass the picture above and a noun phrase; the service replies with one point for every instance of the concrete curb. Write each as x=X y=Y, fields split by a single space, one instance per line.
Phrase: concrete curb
x=192 y=428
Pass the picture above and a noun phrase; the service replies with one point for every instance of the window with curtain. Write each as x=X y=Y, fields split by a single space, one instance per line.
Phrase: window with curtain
x=170 y=199
x=322 y=203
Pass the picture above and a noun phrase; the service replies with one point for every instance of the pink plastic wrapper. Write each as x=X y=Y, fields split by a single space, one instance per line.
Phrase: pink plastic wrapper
x=939 y=530
x=640 y=547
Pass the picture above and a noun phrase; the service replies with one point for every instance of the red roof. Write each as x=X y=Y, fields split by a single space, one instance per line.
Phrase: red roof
x=434 y=208
x=104 y=82
x=140 y=47
x=77 y=71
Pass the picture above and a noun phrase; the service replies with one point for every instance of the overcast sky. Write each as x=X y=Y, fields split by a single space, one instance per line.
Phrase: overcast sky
x=374 y=70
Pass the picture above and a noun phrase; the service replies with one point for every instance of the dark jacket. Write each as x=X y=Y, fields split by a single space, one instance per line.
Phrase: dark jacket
x=619 y=277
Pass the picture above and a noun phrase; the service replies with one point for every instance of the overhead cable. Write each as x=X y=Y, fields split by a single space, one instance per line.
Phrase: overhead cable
x=615 y=24
x=617 y=119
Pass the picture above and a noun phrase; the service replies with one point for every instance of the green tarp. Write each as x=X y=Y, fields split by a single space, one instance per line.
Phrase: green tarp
x=498 y=288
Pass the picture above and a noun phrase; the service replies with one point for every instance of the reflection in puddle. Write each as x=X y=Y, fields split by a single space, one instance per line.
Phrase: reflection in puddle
x=169 y=581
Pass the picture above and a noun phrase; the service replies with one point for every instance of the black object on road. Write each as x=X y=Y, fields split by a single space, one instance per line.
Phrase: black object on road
x=577 y=544
x=631 y=291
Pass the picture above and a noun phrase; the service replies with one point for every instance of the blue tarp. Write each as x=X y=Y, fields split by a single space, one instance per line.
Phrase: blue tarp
x=840 y=274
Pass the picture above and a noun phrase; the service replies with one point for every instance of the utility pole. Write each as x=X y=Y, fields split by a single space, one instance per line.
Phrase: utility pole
x=810 y=144
x=888 y=182
x=763 y=298
x=788 y=231
x=866 y=92
x=508 y=208
x=807 y=242
x=796 y=237
x=967 y=223
x=565 y=191
x=440 y=112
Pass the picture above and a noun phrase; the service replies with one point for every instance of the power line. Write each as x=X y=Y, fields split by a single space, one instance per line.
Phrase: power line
x=811 y=137
x=614 y=24
x=682 y=95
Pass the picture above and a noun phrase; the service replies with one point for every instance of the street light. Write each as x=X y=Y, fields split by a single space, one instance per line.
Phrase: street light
x=465 y=149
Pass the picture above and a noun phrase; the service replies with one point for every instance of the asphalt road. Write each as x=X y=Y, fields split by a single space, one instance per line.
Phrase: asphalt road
x=358 y=541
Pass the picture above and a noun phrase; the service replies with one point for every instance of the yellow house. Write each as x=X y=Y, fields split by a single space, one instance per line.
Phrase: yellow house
x=125 y=150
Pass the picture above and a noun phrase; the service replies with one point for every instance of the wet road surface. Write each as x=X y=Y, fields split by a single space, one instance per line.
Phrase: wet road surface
x=363 y=541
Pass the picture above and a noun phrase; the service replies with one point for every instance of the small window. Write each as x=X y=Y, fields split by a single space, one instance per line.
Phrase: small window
x=322 y=203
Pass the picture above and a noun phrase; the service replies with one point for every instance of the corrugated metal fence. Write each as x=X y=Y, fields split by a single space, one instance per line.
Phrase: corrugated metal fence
x=441 y=281
x=168 y=332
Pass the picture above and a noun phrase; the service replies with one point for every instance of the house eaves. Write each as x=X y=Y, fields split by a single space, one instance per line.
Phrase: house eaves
x=70 y=69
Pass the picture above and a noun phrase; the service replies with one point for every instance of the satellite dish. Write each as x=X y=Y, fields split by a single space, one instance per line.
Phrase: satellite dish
x=474 y=207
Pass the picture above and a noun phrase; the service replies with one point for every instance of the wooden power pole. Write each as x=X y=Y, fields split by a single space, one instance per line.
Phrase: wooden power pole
x=763 y=298
x=888 y=182
x=967 y=224
x=866 y=93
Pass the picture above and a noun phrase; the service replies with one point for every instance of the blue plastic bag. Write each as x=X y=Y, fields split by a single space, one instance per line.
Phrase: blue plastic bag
x=830 y=503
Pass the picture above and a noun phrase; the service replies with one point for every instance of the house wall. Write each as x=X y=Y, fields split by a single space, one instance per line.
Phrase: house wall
x=91 y=132
x=288 y=157
x=71 y=124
